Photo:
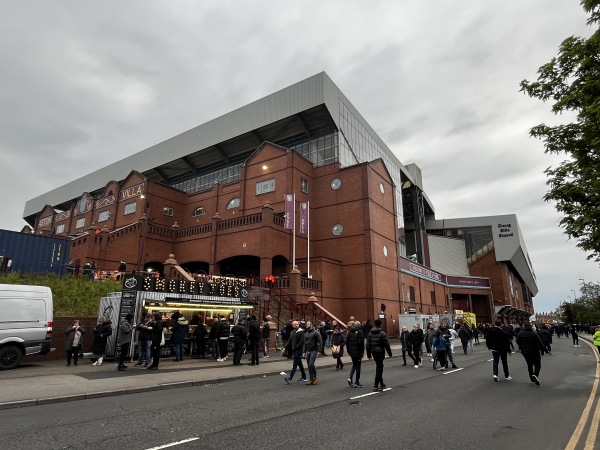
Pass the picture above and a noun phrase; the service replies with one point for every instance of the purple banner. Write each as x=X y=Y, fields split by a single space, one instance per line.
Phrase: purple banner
x=289 y=212
x=303 y=219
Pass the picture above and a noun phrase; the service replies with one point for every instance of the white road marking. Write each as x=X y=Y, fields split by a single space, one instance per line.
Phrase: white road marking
x=370 y=393
x=173 y=444
x=451 y=371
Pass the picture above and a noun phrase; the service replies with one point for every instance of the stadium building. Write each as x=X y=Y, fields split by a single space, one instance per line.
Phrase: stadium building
x=299 y=188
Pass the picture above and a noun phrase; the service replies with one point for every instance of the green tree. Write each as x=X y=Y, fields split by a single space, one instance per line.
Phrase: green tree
x=572 y=81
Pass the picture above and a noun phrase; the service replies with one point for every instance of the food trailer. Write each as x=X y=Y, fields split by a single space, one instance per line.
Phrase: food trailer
x=210 y=295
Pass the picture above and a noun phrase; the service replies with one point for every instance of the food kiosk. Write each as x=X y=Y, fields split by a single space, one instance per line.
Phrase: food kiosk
x=210 y=295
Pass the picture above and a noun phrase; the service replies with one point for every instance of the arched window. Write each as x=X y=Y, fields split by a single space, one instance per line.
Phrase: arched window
x=199 y=211
x=233 y=203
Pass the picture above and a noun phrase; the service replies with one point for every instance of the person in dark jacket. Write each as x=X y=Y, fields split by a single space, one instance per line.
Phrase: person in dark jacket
x=124 y=338
x=355 y=342
x=339 y=340
x=265 y=334
x=157 y=337
x=377 y=346
x=406 y=345
x=546 y=338
x=254 y=338
x=294 y=346
x=180 y=331
x=101 y=333
x=144 y=340
x=74 y=341
x=239 y=341
x=498 y=342
x=532 y=349
x=200 y=334
x=323 y=331
x=223 y=332
x=464 y=334
x=416 y=337
x=312 y=345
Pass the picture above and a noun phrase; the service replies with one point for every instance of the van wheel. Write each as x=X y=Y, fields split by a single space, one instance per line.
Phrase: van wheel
x=10 y=357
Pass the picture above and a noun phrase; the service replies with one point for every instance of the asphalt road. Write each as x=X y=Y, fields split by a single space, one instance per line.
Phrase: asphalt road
x=422 y=408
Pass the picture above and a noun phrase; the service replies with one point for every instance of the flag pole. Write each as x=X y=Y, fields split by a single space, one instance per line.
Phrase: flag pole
x=294 y=233
x=308 y=238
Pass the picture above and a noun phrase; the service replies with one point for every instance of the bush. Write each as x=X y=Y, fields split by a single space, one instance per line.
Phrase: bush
x=74 y=296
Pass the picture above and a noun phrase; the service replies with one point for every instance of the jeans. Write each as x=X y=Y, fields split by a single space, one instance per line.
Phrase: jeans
x=124 y=348
x=356 y=363
x=497 y=357
x=311 y=357
x=155 y=354
x=223 y=343
x=416 y=351
x=297 y=363
x=178 y=351
x=238 y=351
x=265 y=346
x=378 y=357
x=144 y=351
x=254 y=349
x=74 y=352
x=534 y=363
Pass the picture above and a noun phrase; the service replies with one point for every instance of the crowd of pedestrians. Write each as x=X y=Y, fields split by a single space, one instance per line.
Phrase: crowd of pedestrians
x=304 y=342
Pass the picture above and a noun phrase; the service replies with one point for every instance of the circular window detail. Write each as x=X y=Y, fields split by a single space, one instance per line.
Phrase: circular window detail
x=382 y=188
x=336 y=183
x=385 y=251
x=337 y=229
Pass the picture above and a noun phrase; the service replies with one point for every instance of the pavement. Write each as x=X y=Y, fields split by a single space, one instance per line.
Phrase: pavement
x=39 y=383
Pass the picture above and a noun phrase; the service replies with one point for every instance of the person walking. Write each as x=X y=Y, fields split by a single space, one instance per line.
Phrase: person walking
x=498 y=342
x=254 y=338
x=575 y=336
x=355 y=342
x=323 y=331
x=430 y=333
x=266 y=333
x=157 y=340
x=448 y=334
x=416 y=338
x=74 y=341
x=124 y=338
x=338 y=340
x=532 y=348
x=377 y=346
x=239 y=341
x=546 y=338
x=406 y=345
x=312 y=345
x=464 y=335
x=101 y=333
x=179 y=333
x=439 y=343
x=294 y=347
x=144 y=340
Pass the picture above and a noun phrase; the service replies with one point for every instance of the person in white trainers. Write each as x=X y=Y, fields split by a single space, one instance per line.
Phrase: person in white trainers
x=101 y=333
x=416 y=338
x=265 y=334
x=498 y=342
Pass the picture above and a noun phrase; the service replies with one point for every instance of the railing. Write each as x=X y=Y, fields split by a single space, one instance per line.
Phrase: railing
x=240 y=221
x=480 y=253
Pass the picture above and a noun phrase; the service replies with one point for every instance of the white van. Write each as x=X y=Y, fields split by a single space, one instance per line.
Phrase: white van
x=26 y=315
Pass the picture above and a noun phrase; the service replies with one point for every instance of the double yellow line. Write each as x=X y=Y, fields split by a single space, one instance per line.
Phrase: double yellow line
x=591 y=437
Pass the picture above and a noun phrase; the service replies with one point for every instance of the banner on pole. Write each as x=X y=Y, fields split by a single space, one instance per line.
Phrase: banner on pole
x=289 y=212
x=304 y=219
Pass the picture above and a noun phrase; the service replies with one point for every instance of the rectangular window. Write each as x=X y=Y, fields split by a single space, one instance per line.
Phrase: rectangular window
x=304 y=185
x=80 y=223
x=168 y=211
x=262 y=187
x=103 y=216
x=60 y=229
x=411 y=293
x=433 y=297
x=129 y=208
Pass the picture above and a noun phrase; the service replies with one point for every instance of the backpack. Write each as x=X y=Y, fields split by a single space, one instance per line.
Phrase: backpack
x=284 y=333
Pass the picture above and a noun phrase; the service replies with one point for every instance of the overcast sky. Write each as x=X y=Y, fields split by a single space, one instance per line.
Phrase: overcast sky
x=85 y=84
